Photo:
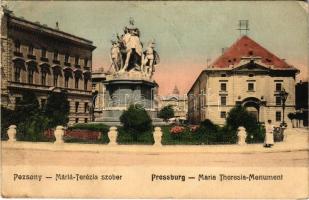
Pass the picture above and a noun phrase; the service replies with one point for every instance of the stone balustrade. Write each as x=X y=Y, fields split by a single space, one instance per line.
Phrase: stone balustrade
x=112 y=135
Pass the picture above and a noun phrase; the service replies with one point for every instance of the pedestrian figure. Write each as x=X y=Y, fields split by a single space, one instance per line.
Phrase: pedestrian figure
x=269 y=135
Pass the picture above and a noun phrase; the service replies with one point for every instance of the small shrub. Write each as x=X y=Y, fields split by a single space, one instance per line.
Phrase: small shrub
x=32 y=128
x=136 y=120
x=166 y=113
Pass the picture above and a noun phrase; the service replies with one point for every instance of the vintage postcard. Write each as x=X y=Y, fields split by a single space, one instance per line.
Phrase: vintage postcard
x=154 y=99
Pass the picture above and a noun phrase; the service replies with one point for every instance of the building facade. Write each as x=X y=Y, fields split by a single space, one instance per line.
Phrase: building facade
x=178 y=102
x=35 y=57
x=246 y=74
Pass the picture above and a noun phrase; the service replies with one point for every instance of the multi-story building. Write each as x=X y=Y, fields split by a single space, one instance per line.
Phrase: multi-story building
x=247 y=74
x=35 y=57
x=178 y=102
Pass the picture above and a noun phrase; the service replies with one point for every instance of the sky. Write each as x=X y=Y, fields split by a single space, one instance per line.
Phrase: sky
x=187 y=34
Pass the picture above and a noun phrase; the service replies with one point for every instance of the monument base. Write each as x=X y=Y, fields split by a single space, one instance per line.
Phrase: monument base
x=111 y=117
x=121 y=92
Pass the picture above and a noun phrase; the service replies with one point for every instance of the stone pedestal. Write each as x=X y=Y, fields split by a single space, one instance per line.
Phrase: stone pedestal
x=242 y=135
x=59 y=132
x=12 y=133
x=120 y=93
x=112 y=135
x=157 y=135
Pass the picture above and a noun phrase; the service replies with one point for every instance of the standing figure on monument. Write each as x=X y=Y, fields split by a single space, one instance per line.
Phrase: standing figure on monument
x=116 y=56
x=148 y=58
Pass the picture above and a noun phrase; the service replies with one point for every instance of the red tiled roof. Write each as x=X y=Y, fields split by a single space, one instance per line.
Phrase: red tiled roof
x=246 y=47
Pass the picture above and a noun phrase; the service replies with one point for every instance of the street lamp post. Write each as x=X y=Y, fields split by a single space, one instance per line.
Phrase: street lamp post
x=283 y=95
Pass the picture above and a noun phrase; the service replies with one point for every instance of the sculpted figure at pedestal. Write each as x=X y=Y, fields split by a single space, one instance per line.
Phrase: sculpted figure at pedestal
x=116 y=56
x=127 y=54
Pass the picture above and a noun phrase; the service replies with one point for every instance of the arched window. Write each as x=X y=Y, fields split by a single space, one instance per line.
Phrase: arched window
x=31 y=68
x=56 y=74
x=30 y=75
x=87 y=77
x=67 y=76
x=45 y=70
x=19 y=64
x=76 y=82
x=66 y=80
x=17 y=74
x=78 y=76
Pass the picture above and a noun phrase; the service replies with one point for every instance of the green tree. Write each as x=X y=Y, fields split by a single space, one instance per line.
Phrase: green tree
x=239 y=116
x=166 y=113
x=291 y=116
x=136 y=120
x=57 y=109
x=27 y=107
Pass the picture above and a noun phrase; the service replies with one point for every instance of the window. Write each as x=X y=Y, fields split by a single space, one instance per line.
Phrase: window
x=43 y=53
x=76 y=60
x=17 y=46
x=86 y=107
x=43 y=77
x=251 y=75
x=278 y=101
x=30 y=76
x=76 y=106
x=223 y=114
x=85 y=84
x=278 y=86
x=66 y=58
x=223 y=87
x=17 y=74
x=30 y=50
x=56 y=55
x=278 y=116
x=56 y=80
x=223 y=100
x=43 y=103
x=86 y=120
x=250 y=86
x=86 y=62
x=223 y=75
x=76 y=120
x=76 y=82
x=66 y=81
